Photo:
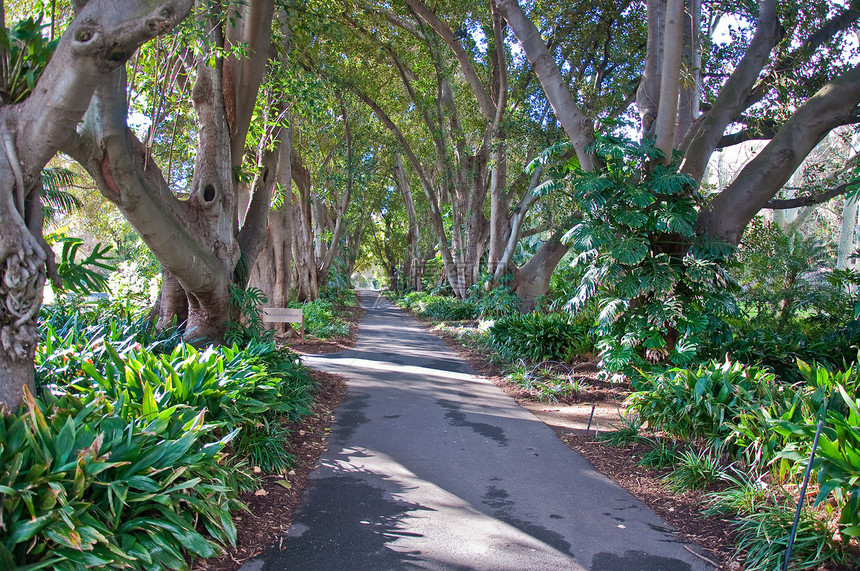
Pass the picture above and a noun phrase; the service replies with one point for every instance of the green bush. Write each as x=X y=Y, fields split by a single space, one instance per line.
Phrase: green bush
x=837 y=460
x=498 y=302
x=539 y=337
x=83 y=487
x=694 y=470
x=411 y=299
x=321 y=319
x=703 y=403
x=118 y=461
x=763 y=538
x=444 y=308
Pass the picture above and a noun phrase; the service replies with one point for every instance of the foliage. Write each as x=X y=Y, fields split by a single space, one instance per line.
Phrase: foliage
x=744 y=495
x=694 y=469
x=84 y=487
x=120 y=463
x=83 y=276
x=658 y=285
x=246 y=303
x=55 y=200
x=321 y=319
x=539 y=337
x=74 y=331
x=265 y=444
x=496 y=302
x=781 y=277
x=234 y=385
x=545 y=383
x=837 y=459
x=763 y=538
x=703 y=403
x=24 y=53
x=440 y=308
x=661 y=455
x=624 y=432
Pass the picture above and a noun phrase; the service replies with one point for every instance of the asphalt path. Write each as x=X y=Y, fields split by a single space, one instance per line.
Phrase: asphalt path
x=429 y=466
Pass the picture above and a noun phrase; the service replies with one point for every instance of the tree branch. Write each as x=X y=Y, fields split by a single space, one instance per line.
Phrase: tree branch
x=729 y=104
x=730 y=212
x=575 y=123
x=807 y=200
x=841 y=22
x=484 y=100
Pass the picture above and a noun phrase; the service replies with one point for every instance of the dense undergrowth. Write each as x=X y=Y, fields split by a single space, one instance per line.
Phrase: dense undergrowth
x=134 y=448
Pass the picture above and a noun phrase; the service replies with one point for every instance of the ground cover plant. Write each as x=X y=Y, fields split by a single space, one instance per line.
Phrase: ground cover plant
x=136 y=445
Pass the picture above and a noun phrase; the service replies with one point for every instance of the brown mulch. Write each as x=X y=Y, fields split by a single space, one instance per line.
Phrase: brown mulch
x=270 y=509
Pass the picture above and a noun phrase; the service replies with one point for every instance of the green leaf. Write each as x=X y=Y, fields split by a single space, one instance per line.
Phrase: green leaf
x=149 y=408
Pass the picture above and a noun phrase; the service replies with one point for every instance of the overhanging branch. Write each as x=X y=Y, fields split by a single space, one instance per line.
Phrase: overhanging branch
x=807 y=200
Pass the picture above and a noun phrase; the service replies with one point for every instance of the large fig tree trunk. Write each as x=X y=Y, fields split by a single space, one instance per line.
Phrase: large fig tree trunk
x=196 y=239
x=100 y=39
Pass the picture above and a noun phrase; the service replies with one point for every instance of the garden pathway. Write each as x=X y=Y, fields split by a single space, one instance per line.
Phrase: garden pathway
x=432 y=467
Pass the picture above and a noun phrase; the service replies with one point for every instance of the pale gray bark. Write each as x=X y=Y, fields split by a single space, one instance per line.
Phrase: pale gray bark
x=573 y=120
x=847 y=230
x=670 y=78
x=705 y=135
x=833 y=105
x=102 y=36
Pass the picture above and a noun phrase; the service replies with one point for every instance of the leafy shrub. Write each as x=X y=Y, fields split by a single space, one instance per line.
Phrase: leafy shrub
x=661 y=455
x=702 y=403
x=539 y=337
x=837 y=460
x=695 y=469
x=321 y=319
x=411 y=299
x=265 y=443
x=25 y=52
x=780 y=352
x=624 y=432
x=745 y=495
x=781 y=278
x=444 y=308
x=658 y=285
x=763 y=538
x=84 y=487
x=498 y=302
x=233 y=385
x=245 y=304
x=545 y=385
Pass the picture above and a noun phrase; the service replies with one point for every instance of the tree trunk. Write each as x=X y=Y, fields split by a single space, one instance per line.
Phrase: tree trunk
x=100 y=39
x=304 y=259
x=532 y=280
x=846 y=233
x=670 y=78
